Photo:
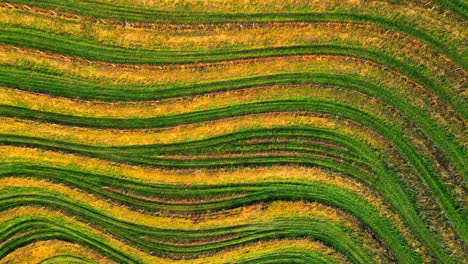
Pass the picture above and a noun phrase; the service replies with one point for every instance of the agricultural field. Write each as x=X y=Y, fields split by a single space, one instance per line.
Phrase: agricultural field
x=233 y=131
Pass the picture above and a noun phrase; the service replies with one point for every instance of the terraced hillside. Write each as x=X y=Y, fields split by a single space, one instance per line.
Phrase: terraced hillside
x=196 y=131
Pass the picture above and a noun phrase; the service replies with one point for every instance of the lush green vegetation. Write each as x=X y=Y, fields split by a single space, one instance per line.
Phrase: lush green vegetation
x=370 y=155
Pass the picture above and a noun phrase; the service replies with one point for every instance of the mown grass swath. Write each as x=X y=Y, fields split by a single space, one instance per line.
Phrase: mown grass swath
x=406 y=140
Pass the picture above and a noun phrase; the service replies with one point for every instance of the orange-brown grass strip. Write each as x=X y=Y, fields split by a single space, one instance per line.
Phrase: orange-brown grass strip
x=181 y=133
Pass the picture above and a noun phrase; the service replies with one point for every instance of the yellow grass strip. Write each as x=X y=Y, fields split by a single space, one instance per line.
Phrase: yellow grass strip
x=168 y=176
x=249 y=214
x=45 y=212
x=181 y=133
x=245 y=6
x=176 y=106
x=414 y=11
x=235 y=253
x=191 y=73
x=189 y=177
x=185 y=73
x=269 y=35
x=41 y=250
x=221 y=71
x=146 y=75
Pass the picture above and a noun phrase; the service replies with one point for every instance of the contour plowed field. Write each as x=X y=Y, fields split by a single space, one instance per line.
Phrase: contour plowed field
x=193 y=131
